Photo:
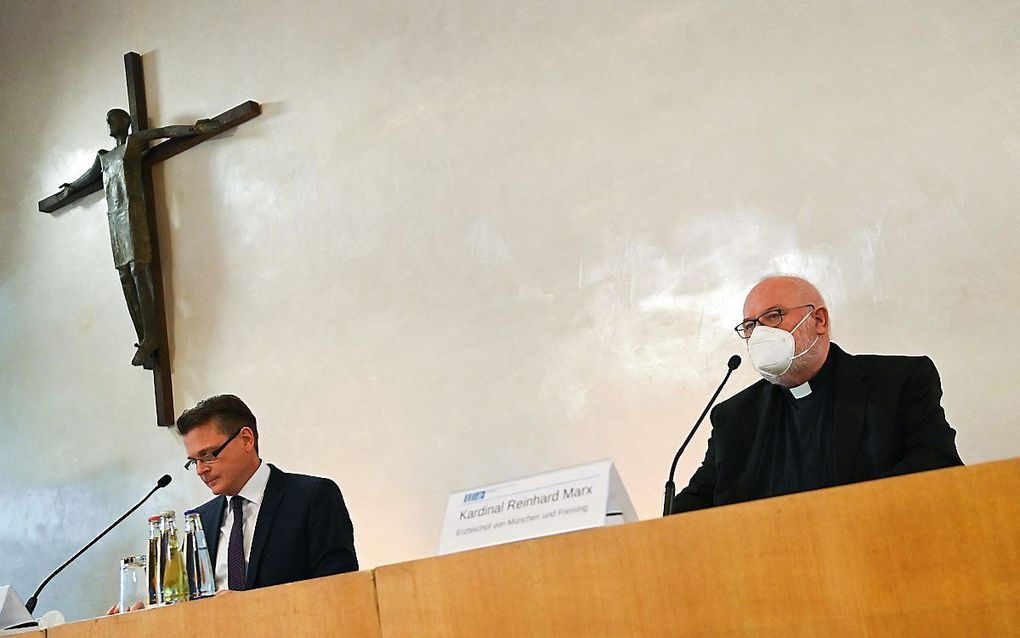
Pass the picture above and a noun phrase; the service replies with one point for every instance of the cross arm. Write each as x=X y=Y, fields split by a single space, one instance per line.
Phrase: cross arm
x=87 y=184
x=166 y=131
x=200 y=127
x=226 y=120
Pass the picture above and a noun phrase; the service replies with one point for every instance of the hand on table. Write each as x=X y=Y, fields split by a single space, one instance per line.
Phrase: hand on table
x=112 y=611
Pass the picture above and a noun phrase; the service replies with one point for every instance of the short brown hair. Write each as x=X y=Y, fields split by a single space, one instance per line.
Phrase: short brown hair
x=228 y=412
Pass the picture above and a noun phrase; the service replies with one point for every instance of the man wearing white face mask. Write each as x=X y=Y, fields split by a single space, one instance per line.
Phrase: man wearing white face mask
x=820 y=417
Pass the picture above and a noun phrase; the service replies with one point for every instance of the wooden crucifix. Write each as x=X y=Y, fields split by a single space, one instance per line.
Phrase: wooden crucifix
x=125 y=174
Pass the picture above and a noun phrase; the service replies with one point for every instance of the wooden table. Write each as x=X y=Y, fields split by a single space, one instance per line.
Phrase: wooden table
x=931 y=554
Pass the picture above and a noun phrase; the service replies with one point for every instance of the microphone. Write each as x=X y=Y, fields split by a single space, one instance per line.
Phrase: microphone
x=34 y=600
x=667 y=506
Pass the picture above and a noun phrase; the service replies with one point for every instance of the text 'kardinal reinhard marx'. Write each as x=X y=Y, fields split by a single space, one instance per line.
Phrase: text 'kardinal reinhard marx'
x=516 y=504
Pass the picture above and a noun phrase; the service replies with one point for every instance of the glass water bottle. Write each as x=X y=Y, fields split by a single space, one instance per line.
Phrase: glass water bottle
x=152 y=563
x=198 y=565
x=175 y=578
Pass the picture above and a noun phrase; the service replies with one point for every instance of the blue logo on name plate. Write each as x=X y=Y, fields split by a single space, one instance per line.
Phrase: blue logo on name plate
x=474 y=496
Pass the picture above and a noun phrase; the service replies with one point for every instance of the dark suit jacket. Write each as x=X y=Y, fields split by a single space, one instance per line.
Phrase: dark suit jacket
x=303 y=531
x=887 y=420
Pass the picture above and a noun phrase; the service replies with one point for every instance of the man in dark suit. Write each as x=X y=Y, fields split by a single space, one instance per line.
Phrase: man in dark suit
x=819 y=417
x=265 y=526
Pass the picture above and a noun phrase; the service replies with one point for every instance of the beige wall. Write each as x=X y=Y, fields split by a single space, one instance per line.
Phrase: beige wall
x=473 y=240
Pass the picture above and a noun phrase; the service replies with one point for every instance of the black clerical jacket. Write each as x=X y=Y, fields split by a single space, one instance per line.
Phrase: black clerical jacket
x=887 y=420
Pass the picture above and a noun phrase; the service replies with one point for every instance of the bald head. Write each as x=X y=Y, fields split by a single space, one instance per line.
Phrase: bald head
x=781 y=290
x=802 y=304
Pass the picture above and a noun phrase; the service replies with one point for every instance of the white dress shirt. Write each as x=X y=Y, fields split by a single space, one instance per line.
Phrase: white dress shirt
x=252 y=493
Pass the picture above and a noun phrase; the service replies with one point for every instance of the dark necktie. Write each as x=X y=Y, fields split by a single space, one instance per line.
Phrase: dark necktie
x=235 y=549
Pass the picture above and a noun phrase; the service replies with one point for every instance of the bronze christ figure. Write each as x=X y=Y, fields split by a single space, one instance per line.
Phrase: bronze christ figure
x=121 y=172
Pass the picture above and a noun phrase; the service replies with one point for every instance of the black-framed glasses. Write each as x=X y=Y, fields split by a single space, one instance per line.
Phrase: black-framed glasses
x=770 y=318
x=211 y=456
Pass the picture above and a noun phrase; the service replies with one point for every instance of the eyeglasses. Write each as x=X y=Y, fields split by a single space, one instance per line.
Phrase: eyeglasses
x=770 y=318
x=210 y=457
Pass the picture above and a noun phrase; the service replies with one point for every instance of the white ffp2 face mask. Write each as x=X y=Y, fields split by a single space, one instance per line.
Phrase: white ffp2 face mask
x=773 y=350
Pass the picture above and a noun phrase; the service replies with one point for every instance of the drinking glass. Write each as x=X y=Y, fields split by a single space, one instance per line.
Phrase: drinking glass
x=134 y=585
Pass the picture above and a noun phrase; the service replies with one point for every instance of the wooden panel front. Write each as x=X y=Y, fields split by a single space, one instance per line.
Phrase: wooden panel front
x=342 y=605
x=931 y=554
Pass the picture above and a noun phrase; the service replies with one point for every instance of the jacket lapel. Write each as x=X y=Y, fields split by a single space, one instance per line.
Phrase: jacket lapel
x=848 y=419
x=267 y=513
x=756 y=440
x=211 y=527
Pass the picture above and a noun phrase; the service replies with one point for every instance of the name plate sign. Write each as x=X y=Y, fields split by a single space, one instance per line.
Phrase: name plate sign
x=12 y=611
x=566 y=500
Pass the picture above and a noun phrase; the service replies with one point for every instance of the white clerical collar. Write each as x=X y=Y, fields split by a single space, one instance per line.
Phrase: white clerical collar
x=801 y=391
x=255 y=488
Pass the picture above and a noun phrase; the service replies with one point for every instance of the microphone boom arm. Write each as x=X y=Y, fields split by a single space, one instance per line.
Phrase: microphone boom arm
x=34 y=600
x=670 y=492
